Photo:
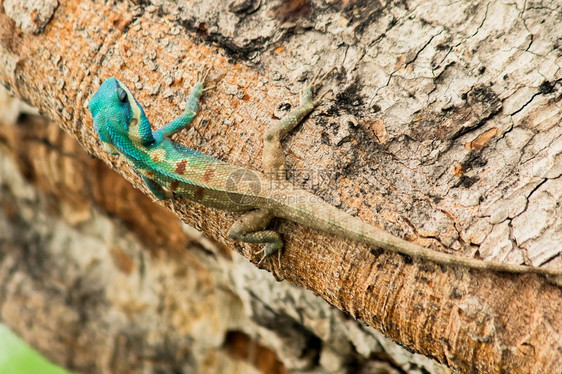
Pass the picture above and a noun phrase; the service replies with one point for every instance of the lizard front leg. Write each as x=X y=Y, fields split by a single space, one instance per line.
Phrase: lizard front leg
x=251 y=227
x=191 y=108
x=177 y=124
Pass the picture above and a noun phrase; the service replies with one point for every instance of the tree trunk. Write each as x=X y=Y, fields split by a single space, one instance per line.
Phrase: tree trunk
x=444 y=128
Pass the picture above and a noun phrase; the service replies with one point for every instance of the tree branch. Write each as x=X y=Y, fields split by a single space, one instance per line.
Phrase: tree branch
x=433 y=136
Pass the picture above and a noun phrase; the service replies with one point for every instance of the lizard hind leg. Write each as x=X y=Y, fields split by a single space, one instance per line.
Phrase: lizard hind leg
x=250 y=228
x=274 y=162
x=273 y=157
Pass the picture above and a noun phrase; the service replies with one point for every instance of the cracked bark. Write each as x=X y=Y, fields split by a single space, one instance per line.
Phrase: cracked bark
x=445 y=129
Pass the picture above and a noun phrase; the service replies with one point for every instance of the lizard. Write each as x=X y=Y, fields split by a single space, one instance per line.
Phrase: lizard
x=169 y=168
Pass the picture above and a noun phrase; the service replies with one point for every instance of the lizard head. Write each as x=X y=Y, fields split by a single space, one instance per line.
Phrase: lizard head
x=118 y=117
x=112 y=107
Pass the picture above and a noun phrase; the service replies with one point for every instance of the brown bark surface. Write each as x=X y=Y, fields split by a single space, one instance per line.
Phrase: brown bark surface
x=444 y=129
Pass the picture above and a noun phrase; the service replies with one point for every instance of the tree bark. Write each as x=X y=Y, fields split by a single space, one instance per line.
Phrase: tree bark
x=444 y=129
x=92 y=264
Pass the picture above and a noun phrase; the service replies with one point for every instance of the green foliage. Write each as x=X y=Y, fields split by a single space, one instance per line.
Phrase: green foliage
x=16 y=357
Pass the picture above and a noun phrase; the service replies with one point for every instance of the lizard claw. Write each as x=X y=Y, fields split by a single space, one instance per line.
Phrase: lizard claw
x=202 y=74
x=267 y=253
x=263 y=257
x=279 y=258
x=321 y=97
x=306 y=96
x=208 y=88
x=317 y=80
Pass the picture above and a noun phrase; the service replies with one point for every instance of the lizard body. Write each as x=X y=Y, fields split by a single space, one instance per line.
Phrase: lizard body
x=170 y=168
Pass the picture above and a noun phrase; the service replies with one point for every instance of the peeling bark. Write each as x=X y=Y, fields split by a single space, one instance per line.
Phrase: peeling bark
x=445 y=129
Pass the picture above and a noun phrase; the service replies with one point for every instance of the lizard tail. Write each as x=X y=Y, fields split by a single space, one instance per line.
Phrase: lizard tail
x=309 y=210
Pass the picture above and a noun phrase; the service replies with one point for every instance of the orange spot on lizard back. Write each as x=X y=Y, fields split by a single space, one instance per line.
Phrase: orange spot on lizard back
x=180 y=166
x=155 y=158
x=208 y=175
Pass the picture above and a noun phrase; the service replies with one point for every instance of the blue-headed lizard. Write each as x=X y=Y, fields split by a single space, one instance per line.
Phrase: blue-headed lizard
x=170 y=168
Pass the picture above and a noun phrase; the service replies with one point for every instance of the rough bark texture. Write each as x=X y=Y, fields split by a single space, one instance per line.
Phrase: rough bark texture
x=92 y=264
x=444 y=129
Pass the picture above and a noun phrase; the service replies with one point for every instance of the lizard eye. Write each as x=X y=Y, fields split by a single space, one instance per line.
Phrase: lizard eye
x=122 y=95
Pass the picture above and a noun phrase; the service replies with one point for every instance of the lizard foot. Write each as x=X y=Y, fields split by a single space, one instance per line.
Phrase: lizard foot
x=202 y=74
x=268 y=250
x=202 y=77
x=319 y=78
